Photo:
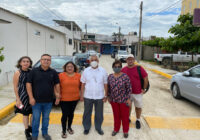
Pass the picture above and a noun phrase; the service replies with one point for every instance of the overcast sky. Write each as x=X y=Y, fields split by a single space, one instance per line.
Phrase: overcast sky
x=102 y=16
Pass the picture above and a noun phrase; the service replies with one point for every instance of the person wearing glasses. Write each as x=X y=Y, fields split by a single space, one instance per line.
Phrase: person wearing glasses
x=119 y=90
x=94 y=83
x=41 y=84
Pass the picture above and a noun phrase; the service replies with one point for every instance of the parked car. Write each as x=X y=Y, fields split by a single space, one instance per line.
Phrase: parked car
x=179 y=57
x=121 y=55
x=57 y=62
x=83 y=60
x=93 y=52
x=187 y=84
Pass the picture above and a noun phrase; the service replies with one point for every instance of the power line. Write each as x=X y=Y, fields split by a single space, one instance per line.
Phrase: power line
x=169 y=7
x=49 y=10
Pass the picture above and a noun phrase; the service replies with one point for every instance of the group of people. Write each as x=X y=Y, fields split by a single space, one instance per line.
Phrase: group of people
x=37 y=88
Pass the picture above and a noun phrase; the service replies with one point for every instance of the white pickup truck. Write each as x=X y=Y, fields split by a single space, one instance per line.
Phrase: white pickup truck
x=179 y=57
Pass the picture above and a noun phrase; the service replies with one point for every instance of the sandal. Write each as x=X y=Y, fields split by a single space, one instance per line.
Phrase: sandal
x=64 y=135
x=70 y=131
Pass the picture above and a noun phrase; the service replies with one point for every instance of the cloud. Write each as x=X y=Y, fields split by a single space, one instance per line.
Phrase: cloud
x=101 y=16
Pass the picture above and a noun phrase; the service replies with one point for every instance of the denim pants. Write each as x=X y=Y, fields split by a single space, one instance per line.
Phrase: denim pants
x=38 y=109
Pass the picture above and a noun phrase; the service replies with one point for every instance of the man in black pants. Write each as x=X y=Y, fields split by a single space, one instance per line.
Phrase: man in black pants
x=94 y=82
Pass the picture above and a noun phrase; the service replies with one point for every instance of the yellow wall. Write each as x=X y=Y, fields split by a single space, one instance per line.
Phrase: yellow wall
x=186 y=8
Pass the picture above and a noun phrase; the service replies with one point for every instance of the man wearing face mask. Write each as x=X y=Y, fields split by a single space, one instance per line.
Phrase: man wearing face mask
x=94 y=83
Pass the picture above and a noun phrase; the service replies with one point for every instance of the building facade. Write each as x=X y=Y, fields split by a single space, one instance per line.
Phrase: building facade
x=73 y=35
x=21 y=36
x=188 y=6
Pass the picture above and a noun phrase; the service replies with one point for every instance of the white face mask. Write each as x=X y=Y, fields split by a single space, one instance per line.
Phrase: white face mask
x=94 y=64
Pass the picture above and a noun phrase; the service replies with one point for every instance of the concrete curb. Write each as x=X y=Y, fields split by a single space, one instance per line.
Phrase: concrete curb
x=157 y=71
x=161 y=73
x=7 y=110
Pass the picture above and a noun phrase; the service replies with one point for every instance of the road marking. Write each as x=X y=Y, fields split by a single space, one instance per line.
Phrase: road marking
x=55 y=118
x=152 y=121
x=173 y=123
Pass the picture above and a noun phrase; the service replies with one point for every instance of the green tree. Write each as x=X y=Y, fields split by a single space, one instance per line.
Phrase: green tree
x=153 y=43
x=186 y=35
x=1 y=56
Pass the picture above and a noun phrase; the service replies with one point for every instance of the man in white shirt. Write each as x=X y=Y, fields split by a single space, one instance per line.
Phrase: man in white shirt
x=94 y=82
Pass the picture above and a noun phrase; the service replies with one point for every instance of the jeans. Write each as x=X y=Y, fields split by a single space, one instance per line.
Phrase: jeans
x=38 y=109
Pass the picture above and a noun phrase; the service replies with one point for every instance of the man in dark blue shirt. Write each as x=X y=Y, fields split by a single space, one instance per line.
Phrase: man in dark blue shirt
x=41 y=83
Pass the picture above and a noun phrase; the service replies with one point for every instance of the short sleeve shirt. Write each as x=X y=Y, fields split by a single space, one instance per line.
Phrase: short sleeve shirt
x=69 y=86
x=94 y=80
x=43 y=83
x=135 y=78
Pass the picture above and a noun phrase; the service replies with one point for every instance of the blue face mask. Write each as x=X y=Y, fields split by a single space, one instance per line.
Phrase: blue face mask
x=117 y=70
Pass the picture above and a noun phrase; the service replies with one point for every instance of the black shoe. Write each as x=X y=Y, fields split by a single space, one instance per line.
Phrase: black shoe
x=46 y=137
x=138 y=125
x=34 y=138
x=114 y=133
x=100 y=132
x=30 y=129
x=125 y=135
x=129 y=120
x=28 y=135
x=86 y=132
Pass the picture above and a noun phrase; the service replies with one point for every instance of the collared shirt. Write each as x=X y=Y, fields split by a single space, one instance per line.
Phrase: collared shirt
x=94 y=80
x=43 y=84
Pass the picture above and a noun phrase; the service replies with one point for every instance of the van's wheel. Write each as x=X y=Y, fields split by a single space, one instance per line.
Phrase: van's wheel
x=166 y=61
x=176 y=91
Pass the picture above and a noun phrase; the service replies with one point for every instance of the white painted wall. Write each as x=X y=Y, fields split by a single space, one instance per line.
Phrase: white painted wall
x=74 y=35
x=130 y=38
x=18 y=39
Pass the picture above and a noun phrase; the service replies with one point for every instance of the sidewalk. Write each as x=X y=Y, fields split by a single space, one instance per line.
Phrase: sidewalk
x=7 y=100
x=7 y=95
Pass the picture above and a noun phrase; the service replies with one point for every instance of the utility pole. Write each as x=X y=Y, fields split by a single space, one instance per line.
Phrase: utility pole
x=119 y=38
x=139 y=48
x=86 y=37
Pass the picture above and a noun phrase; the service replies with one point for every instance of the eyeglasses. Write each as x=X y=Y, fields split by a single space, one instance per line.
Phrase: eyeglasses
x=46 y=59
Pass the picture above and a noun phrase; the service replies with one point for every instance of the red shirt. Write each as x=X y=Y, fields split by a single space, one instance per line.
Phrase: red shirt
x=135 y=78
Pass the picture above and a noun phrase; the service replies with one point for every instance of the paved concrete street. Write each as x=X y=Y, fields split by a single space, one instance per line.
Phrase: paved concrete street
x=163 y=118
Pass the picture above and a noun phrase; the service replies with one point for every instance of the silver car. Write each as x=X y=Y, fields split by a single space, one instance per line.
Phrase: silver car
x=187 y=85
